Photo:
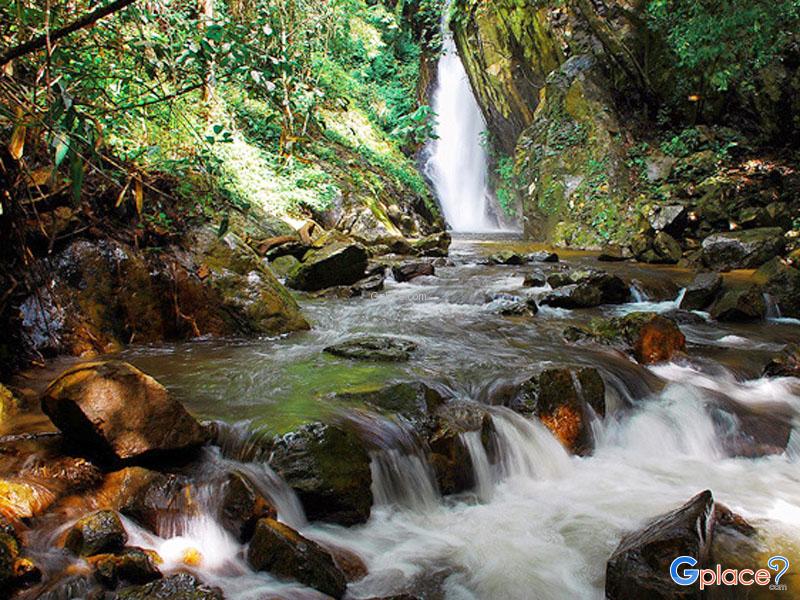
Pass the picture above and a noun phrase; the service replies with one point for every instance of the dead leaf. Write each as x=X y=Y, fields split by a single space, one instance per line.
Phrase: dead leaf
x=17 y=144
x=138 y=194
x=203 y=272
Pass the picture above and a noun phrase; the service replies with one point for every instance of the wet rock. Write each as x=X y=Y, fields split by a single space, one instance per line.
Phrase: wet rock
x=563 y=400
x=348 y=562
x=242 y=506
x=8 y=404
x=329 y=469
x=410 y=271
x=450 y=457
x=373 y=348
x=436 y=245
x=702 y=291
x=782 y=282
x=785 y=364
x=742 y=249
x=133 y=566
x=650 y=337
x=658 y=248
x=338 y=262
x=535 y=279
x=9 y=554
x=543 y=257
x=585 y=289
x=614 y=253
x=414 y=401
x=120 y=412
x=640 y=566
x=281 y=551
x=371 y=285
x=98 y=533
x=659 y=340
x=182 y=586
x=742 y=305
x=512 y=306
x=751 y=432
x=506 y=257
x=683 y=317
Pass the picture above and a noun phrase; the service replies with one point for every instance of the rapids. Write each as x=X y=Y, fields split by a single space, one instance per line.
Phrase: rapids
x=540 y=523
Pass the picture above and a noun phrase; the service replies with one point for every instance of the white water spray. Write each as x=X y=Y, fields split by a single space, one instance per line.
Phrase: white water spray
x=458 y=163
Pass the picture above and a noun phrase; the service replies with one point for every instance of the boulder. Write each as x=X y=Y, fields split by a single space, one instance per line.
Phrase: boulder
x=15 y=569
x=785 y=364
x=746 y=249
x=751 y=431
x=133 y=566
x=535 y=279
x=782 y=282
x=450 y=457
x=659 y=340
x=348 y=562
x=512 y=306
x=242 y=506
x=671 y=219
x=284 y=265
x=410 y=271
x=416 y=402
x=98 y=533
x=338 y=262
x=181 y=586
x=436 y=245
x=118 y=411
x=374 y=348
x=329 y=469
x=640 y=566
x=506 y=257
x=614 y=253
x=563 y=400
x=649 y=337
x=656 y=248
x=543 y=257
x=742 y=305
x=702 y=291
x=585 y=289
x=281 y=551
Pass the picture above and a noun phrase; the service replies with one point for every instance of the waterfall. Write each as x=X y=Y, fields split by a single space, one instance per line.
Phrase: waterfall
x=457 y=162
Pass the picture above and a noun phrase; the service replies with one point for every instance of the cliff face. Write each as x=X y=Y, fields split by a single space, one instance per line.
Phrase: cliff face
x=575 y=93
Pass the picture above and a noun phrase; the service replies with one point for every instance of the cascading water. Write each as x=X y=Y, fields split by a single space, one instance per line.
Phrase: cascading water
x=457 y=161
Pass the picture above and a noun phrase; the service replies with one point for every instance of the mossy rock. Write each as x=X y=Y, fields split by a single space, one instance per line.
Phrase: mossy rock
x=99 y=533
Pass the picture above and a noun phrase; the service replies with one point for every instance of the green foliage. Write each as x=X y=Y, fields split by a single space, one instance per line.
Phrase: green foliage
x=507 y=184
x=722 y=44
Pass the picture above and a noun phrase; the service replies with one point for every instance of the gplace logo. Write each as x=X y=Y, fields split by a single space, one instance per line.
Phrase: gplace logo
x=683 y=573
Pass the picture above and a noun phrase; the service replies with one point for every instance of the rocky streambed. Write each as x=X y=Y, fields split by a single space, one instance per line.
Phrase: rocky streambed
x=499 y=423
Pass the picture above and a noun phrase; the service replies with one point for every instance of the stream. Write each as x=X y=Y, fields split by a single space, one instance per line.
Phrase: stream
x=540 y=523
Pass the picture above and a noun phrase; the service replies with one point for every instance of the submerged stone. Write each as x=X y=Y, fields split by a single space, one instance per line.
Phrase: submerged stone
x=373 y=348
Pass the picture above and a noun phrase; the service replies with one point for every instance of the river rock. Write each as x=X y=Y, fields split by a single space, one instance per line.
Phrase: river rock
x=614 y=253
x=742 y=305
x=509 y=305
x=639 y=567
x=746 y=249
x=702 y=291
x=283 y=265
x=506 y=257
x=785 y=364
x=671 y=219
x=133 y=566
x=98 y=533
x=658 y=248
x=649 y=337
x=412 y=270
x=415 y=402
x=338 y=262
x=348 y=562
x=436 y=245
x=181 y=586
x=374 y=348
x=449 y=455
x=120 y=412
x=535 y=279
x=543 y=257
x=242 y=506
x=8 y=404
x=16 y=570
x=782 y=282
x=585 y=289
x=280 y=550
x=563 y=399
x=329 y=469
x=751 y=431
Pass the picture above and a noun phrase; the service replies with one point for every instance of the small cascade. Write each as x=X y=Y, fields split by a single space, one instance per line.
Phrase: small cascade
x=405 y=480
x=485 y=476
x=773 y=310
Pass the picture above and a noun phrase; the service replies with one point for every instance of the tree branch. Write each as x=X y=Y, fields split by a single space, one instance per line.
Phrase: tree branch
x=41 y=41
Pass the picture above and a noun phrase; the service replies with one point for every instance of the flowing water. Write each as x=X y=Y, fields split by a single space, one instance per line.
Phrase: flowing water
x=540 y=523
x=457 y=162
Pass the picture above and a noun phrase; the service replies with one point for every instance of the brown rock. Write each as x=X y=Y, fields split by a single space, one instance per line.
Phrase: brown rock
x=409 y=271
x=99 y=533
x=280 y=550
x=659 y=340
x=120 y=412
x=242 y=506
